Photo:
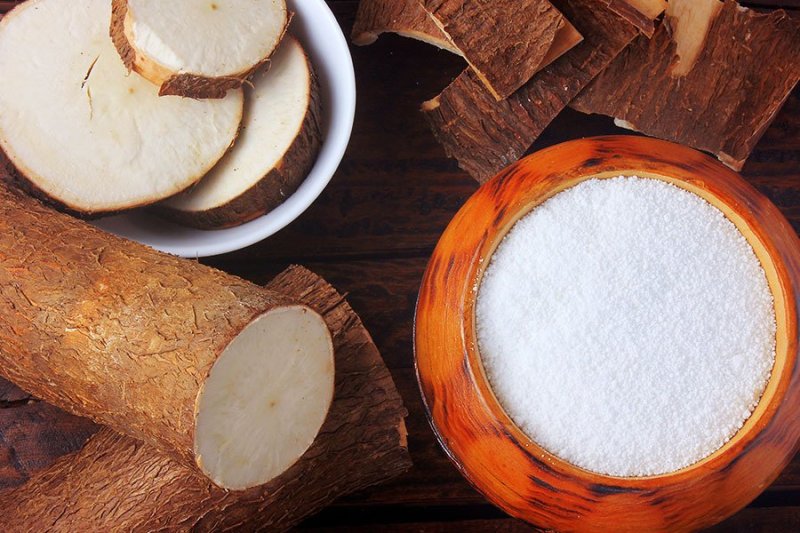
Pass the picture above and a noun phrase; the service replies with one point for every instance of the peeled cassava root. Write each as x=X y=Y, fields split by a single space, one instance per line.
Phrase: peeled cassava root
x=116 y=483
x=227 y=377
x=197 y=48
x=273 y=154
x=84 y=133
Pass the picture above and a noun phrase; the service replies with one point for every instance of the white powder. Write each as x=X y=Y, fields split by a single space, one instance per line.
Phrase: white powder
x=627 y=326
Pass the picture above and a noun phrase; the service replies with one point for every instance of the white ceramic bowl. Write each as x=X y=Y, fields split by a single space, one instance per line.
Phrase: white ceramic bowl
x=318 y=30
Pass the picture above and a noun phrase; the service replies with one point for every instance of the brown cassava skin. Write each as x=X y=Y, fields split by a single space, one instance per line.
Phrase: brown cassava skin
x=504 y=42
x=644 y=21
x=484 y=135
x=403 y=17
x=112 y=330
x=271 y=190
x=116 y=483
x=170 y=83
x=723 y=105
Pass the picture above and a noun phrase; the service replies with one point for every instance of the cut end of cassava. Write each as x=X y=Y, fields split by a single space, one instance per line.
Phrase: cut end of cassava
x=272 y=156
x=84 y=132
x=265 y=399
x=197 y=48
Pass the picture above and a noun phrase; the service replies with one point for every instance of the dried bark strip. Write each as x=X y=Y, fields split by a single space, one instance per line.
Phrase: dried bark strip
x=116 y=483
x=404 y=17
x=485 y=135
x=408 y=18
x=112 y=330
x=505 y=43
x=640 y=13
x=729 y=95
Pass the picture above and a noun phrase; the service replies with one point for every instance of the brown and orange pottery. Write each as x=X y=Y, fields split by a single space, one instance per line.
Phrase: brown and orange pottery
x=507 y=466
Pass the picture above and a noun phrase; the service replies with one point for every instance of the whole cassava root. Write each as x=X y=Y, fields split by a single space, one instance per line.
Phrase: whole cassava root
x=116 y=483
x=159 y=348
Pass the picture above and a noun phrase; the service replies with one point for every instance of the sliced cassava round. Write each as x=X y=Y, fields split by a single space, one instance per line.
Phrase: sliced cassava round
x=273 y=154
x=82 y=130
x=229 y=378
x=197 y=48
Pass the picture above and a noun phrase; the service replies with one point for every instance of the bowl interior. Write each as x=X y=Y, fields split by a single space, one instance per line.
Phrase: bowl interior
x=776 y=277
x=319 y=32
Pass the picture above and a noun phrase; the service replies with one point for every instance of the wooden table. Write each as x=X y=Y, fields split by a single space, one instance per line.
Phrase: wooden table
x=370 y=234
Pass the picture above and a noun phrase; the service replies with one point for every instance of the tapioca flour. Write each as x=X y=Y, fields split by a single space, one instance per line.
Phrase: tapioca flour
x=626 y=326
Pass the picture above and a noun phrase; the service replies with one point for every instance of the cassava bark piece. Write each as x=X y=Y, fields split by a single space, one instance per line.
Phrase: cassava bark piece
x=505 y=43
x=731 y=91
x=84 y=133
x=409 y=19
x=272 y=156
x=198 y=49
x=484 y=135
x=640 y=13
x=403 y=17
x=187 y=358
x=116 y=483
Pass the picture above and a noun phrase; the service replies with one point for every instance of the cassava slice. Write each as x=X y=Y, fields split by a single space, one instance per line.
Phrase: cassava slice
x=273 y=154
x=403 y=17
x=712 y=77
x=116 y=483
x=228 y=377
x=484 y=135
x=83 y=132
x=505 y=43
x=197 y=48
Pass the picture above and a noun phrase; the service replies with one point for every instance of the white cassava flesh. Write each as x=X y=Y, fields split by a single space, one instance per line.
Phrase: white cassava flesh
x=277 y=146
x=265 y=399
x=210 y=39
x=84 y=131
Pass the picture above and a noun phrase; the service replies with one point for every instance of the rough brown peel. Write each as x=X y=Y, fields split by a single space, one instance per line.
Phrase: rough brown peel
x=640 y=13
x=746 y=67
x=505 y=42
x=403 y=17
x=484 y=135
x=116 y=483
x=112 y=330
x=171 y=83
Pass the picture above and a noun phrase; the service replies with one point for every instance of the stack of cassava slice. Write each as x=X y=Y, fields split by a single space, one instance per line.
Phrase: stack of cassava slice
x=708 y=73
x=207 y=110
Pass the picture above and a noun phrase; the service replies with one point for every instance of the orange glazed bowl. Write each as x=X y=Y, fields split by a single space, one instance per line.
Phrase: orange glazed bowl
x=507 y=466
